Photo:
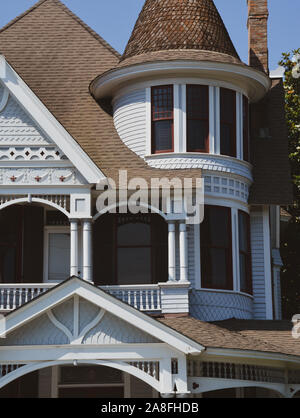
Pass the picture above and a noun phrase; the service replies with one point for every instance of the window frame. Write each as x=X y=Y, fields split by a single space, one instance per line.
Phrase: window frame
x=247 y=254
x=117 y=246
x=205 y=281
x=206 y=148
x=233 y=125
x=47 y=231
x=154 y=120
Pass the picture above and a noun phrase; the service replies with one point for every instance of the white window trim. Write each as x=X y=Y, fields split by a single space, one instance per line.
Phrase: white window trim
x=180 y=117
x=47 y=231
x=235 y=255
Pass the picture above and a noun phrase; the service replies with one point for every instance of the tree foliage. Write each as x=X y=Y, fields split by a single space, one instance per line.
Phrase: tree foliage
x=290 y=250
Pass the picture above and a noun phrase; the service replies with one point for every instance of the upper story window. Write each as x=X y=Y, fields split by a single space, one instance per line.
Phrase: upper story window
x=246 y=128
x=245 y=253
x=216 y=248
x=228 y=122
x=162 y=119
x=197 y=115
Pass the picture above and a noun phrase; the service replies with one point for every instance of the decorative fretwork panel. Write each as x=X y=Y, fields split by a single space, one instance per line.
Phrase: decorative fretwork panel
x=62 y=201
x=5 y=369
x=236 y=371
x=15 y=153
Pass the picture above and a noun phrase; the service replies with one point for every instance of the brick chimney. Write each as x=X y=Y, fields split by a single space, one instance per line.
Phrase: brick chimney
x=258 y=34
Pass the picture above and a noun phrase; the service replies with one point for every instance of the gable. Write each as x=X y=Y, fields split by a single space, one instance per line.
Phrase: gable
x=76 y=321
x=30 y=134
x=87 y=315
x=28 y=156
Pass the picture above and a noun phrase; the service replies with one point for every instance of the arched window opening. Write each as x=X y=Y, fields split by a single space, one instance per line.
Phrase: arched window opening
x=130 y=249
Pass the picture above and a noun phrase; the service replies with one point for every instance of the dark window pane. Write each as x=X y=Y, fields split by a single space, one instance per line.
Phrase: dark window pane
x=218 y=268
x=134 y=266
x=243 y=273
x=218 y=226
x=216 y=252
x=197 y=135
x=243 y=233
x=228 y=122
x=226 y=140
x=163 y=131
x=134 y=234
x=246 y=128
x=197 y=102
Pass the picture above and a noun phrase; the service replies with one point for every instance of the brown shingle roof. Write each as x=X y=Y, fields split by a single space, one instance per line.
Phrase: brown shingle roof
x=180 y=54
x=57 y=55
x=179 y=25
x=264 y=336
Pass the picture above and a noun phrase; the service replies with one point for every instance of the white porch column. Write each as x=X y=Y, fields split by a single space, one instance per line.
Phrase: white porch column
x=74 y=247
x=87 y=258
x=183 y=252
x=172 y=251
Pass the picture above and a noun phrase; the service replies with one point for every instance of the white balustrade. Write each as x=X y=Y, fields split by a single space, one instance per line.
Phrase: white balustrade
x=141 y=297
x=13 y=296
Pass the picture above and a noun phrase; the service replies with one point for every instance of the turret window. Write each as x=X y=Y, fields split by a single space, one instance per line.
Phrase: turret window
x=216 y=248
x=197 y=118
x=228 y=122
x=245 y=253
x=162 y=119
x=246 y=128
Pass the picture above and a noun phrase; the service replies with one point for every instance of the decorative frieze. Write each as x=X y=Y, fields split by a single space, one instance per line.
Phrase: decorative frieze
x=207 y=162
x=31 y=153
x=227 y=187
x=37 y=176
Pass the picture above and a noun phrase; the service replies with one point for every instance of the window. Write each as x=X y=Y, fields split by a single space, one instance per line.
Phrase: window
x=162 y=119
x=57 y=253
x=216 y=248
x=228 y=122
x=133 y=248
x=197 y=118
x=245 y=253
x=246 y=128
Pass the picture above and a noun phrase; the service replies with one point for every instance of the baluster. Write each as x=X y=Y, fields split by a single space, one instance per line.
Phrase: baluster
x=135 y=299
x=147 y=300
x=141 y=300
x=152 y=300
x=20 y=293
x=26 y=295
x=14 y=299
x=2 y=299
x=32 y=293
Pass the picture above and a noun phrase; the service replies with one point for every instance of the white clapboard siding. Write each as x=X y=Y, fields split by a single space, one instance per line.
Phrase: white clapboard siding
x=130 y=120
x=258 y=265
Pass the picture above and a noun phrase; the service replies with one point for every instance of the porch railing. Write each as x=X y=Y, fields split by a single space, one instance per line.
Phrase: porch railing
x=142 y=297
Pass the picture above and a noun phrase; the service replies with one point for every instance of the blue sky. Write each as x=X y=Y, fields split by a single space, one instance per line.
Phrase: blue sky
x=114 y=21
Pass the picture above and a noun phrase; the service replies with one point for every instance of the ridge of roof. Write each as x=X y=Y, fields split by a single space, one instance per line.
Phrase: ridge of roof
x=71 y=14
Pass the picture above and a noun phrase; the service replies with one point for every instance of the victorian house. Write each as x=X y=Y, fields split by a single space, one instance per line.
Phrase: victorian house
x=145 y=304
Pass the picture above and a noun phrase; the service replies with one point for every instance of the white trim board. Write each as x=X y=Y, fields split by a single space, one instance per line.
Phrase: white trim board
x=48 y=123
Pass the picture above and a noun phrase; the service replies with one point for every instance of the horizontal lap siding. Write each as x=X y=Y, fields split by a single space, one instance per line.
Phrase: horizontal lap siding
x=130 y=120
x=258 y=265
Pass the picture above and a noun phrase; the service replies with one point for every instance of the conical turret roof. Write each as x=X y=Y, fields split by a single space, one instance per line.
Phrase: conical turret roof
x=180 y=25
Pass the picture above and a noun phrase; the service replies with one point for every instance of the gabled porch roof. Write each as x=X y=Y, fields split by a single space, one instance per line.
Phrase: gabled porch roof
x=77 y=287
